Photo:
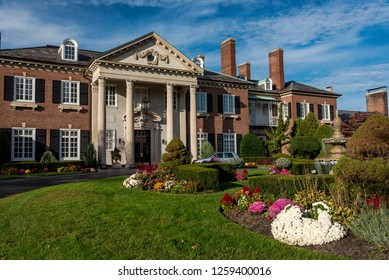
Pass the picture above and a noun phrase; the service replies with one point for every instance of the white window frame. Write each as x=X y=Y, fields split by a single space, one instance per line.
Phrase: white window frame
x=201 y=102
x=325 y=112
x=68 y=98
x=141 y=93
x=304 y=109
x=111 y=95
x=110 y=139
x=285 y=111
x=69 y=50
x=201 y=137
x=174 y=99
x=24 y=136
x=27 y=87
x=66 y=155
x=229 y=142
x=228 y=104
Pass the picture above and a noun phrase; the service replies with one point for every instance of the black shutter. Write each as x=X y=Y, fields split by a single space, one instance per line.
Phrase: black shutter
x=84 y=142
x=40 y=143
x=311 y=108
x=332 y=112
x=319 y=112
x=298 y=106
x=83 y=94
x=57 y=92
x=8 y=133
x=237 y=104
x=238 y=140
x=8 y=88
x=211 y=139
x=219 y=143
x=40 y=90
x=289 y=109
x=220 y=104
x=209 y=103
x=54 y=142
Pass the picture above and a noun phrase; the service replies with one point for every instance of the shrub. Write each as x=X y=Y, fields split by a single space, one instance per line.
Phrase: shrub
x=90 y=156
x=225 y=170
x=206 y=178
x=206 y=150
x=283 y=162
x=277 y=156
x=372 y=225
x=306 y=126
x=302 y=166
x=48 y=157
x=5 y=148
x=324 y=131
x=304 y=147
x=176 y=154
x=252 y=146
x=371 y=139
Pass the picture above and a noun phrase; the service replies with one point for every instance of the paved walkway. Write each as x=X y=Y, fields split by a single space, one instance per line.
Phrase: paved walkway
x=27 y=183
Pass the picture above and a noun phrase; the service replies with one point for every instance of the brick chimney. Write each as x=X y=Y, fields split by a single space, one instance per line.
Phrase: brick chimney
x=228 y=59
x=244 y=70
x=377 y=100
x=276 y=68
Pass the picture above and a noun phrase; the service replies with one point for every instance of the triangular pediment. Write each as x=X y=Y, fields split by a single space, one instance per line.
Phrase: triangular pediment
x=150 y=51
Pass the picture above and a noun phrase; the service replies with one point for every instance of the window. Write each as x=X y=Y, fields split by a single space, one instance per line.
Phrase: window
x=110 y=95
x=304 y=109
x=285 y=111
x=141 y=93
x=201 y=102
x=69 y=49
x=69 y=144
x=174 y=100
x=23 y=147
x=325 y=112
x=268 y=84
x=229 y=142
x=110 y=139
x=70 y=92
x=228 y=104
x=201 y=137
x=24 y=89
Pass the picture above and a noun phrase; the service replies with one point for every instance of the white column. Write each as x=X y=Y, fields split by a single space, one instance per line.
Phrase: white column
x=193 y=122
x=101 y=150
x=94 y=113
x=130 y=134
x=169 y=113
x=183 y=121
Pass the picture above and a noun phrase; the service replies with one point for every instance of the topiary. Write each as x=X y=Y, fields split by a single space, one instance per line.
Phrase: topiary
x=252 y=146
x=304 y=147
x=90 y=156
x=176 y=154
x=206 y=150
x=371 y=139
x=5 y=148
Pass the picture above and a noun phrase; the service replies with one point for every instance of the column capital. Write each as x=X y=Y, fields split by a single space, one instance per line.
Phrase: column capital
x=130 y=83
x=101 y=81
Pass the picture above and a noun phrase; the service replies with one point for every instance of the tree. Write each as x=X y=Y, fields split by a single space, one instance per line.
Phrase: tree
x=278 y=137
x=90 y=156
x=206 y=150
x=176 y=154
x=251 y=146
x=304 y=147
x=306 y=126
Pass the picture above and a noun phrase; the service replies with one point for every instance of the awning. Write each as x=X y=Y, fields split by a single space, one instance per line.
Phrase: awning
x=264 y=98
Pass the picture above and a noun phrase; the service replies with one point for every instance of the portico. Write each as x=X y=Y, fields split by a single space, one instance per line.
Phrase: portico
x=143 y=95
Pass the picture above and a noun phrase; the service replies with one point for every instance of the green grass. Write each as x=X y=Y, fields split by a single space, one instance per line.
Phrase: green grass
x=102 y=220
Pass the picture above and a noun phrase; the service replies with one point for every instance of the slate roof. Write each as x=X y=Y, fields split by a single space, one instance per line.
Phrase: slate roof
x=296 y=87
x=47 y=54
x=212 y=76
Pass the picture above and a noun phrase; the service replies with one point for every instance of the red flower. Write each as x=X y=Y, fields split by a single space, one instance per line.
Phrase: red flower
x=227 y=199
x=257 y=190
x=245 y=189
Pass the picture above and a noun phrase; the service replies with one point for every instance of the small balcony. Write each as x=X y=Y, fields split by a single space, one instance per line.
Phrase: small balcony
x=263 y=113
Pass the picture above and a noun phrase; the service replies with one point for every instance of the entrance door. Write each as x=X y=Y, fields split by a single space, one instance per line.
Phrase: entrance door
x=142 y=146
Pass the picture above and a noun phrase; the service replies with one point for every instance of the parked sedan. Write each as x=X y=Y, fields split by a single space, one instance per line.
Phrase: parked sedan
x=218 y=157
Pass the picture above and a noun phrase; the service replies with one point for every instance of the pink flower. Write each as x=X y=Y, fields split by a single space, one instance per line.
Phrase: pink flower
x=284 y=172
x=239 y=176
x=257 y=207
x=278 y=206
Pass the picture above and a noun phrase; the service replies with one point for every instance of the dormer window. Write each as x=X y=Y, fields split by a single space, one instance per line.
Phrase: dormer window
x=266 y=83
x=69 y=50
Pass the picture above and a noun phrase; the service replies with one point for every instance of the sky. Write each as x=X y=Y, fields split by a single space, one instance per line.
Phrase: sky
x=343 y=44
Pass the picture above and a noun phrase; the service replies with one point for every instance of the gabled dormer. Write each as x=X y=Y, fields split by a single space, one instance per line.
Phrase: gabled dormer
x=267 y=84
x=69 y=50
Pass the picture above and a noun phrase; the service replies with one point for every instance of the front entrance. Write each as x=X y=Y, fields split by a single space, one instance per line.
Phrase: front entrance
x=142 y=146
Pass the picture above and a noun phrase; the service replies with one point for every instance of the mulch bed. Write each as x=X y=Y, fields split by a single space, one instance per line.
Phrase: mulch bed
x=349 y=246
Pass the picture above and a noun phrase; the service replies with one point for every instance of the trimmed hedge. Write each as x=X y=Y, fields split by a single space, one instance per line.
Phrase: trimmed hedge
x=207 y=178
x=287 y=186
x=226 y=172
x=52 y=166
x=259 y=160
x=302 y=166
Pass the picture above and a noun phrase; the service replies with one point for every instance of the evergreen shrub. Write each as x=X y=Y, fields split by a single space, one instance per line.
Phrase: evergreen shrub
x=90 y=156
x=48 y=156
x=226 y=172
x=251 y=146
x=176 y=154
x=207 y=178
x=304 y=147
x=207 y=149
x=302 y=166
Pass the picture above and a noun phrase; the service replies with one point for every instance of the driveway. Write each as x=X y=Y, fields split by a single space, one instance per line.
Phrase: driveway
x=27 y=183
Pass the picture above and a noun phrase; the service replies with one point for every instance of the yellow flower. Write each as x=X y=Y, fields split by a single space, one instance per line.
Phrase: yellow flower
x=158 y=186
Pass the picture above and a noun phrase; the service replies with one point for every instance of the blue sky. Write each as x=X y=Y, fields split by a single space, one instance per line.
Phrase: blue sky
x=344 y=44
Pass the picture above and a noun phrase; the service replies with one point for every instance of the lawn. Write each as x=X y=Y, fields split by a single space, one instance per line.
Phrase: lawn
x=102 y=220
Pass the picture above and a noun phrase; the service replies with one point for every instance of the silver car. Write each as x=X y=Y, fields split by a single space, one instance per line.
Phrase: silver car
x=218 y=157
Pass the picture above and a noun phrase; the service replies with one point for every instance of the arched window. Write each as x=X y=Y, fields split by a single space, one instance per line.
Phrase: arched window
x=69 y=50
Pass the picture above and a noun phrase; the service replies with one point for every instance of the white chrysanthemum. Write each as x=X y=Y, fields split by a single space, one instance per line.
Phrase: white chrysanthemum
x=290 y=227
x=131 y=182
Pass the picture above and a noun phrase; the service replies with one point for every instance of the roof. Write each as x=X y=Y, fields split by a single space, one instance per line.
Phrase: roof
x=294 y=87
x=265 y=98
x=47 y=54
x=211 y=76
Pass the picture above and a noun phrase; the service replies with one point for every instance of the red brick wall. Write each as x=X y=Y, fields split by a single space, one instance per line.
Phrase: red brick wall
x=244 y=69
x=228 y=57
x=377 y=102
x=47 y=115
x=276 y=68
